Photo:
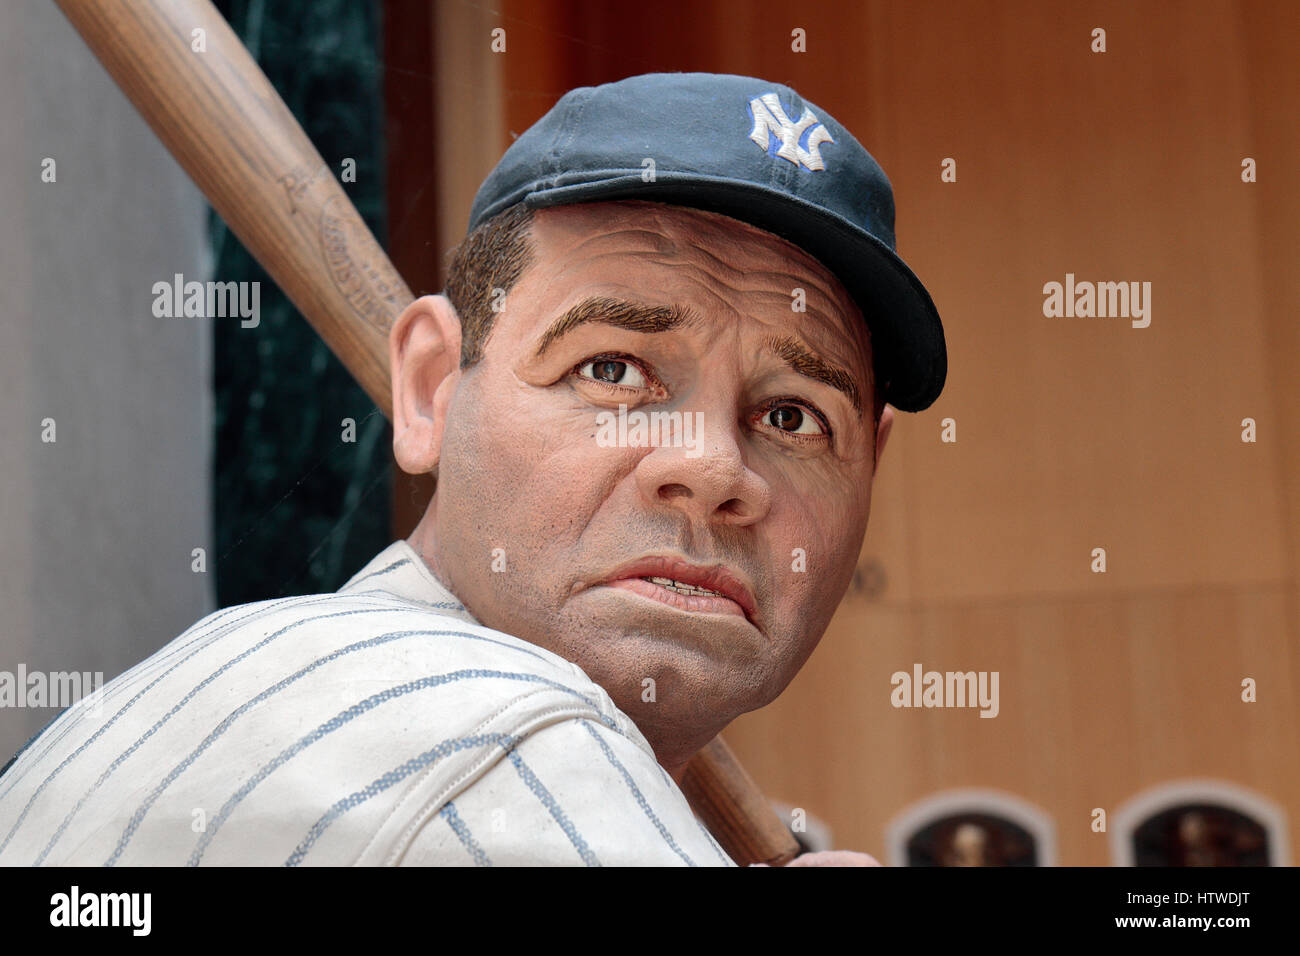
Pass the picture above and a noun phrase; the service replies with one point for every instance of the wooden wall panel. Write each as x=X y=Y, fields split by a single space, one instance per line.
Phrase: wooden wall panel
x=1115 y=166
x=1099 y=699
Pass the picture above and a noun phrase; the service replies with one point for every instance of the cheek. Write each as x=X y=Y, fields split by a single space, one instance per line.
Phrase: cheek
x=814 y=553
x=518 y=473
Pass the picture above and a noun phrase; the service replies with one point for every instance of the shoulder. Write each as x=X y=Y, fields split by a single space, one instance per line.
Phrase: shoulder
x=373 y=632
x=573 y=793
x=285 y=731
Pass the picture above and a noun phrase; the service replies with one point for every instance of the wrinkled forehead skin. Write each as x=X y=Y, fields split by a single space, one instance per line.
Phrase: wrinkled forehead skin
x=760 y=274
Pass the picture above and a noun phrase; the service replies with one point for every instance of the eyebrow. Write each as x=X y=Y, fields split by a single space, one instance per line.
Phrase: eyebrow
x=639 y=317
x=813 y=366
x=620 y=313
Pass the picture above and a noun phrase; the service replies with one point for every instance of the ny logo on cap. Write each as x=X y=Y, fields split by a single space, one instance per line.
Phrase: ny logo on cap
x=772 y=125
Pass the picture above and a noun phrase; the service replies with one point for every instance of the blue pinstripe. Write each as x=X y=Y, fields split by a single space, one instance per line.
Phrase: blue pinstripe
x=52 y=739
x=225 y=724
x=392 y=777
x=410 y=598
x=201 y=640
x=337 y=721
x=209 y=679
x=636 y=792
x=714 y=843
x=466 y=838
x=176 y=708
x=104 y=727
x=435 y=605
x=548 y=801
x=374 y=574
x=227 y=622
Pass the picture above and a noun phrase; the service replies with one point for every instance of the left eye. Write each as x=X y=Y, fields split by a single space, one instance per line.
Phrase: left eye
x=614 y=372
x=793 y=419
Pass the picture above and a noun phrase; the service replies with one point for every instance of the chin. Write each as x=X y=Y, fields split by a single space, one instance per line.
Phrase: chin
x=685 y=711
x=646 y=631
x=695 y=688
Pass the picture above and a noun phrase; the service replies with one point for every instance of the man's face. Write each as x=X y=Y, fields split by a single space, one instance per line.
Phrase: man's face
x=766 y=505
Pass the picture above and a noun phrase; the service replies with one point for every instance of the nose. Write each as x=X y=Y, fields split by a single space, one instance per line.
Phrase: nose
x=712 y=484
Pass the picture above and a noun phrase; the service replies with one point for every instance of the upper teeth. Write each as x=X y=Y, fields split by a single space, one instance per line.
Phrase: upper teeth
x=675 y=585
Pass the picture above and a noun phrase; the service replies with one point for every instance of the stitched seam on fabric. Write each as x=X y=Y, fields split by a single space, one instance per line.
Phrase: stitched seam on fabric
x=379 y=785
x=570 y=133
x=429 y=578
x=414 y=788
x=535 y=723
x=338 y=720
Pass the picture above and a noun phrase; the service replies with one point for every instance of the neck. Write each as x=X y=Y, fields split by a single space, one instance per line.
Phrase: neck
x=424 y=543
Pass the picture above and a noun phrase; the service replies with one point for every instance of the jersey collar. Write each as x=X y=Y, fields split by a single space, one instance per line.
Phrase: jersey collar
x=400 y=571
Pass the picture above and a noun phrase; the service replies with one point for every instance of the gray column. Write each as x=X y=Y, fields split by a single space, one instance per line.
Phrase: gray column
x=96 y=528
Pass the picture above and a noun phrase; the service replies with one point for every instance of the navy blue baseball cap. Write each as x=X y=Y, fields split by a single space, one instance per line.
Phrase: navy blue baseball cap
x=752 y=150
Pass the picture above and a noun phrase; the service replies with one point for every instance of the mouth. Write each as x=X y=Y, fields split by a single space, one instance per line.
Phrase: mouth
x=687 y=586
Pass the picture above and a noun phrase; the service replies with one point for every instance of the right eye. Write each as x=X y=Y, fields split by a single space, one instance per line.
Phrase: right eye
x=614 y=371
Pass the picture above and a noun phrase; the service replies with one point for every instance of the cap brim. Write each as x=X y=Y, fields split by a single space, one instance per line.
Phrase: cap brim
x=909 y=352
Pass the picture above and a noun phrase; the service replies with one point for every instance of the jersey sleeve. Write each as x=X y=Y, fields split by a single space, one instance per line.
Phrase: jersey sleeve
x=574 y=793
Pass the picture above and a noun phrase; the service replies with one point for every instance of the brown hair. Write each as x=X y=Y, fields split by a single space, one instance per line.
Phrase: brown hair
x=484 y=268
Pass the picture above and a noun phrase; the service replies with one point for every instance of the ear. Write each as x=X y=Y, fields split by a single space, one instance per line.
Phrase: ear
x=424 y=359
x=882 y=432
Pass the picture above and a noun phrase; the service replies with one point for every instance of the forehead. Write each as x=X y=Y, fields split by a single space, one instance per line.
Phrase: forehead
x=663 y=254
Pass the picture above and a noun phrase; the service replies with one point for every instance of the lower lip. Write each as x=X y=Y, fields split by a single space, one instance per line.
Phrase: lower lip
x=701 y=604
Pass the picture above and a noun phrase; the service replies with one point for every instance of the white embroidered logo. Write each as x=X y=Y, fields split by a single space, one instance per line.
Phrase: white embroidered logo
x=771 y=120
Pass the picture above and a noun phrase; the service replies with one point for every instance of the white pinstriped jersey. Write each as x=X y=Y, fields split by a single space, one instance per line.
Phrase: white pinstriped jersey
x=380 y=725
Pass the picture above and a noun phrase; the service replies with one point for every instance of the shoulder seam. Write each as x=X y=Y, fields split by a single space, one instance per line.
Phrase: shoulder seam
x=530 y=724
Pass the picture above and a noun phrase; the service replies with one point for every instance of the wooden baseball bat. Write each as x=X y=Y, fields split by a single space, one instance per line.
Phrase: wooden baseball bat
x=190 y=77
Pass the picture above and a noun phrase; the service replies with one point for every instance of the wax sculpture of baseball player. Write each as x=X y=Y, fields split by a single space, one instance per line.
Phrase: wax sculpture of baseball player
x=654 y=395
